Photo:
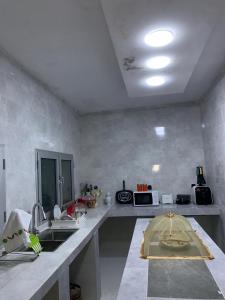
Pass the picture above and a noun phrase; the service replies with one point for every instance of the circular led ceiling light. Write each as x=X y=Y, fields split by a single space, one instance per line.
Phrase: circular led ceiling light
x=158 y=62
x=155 y=81
x=159 y=38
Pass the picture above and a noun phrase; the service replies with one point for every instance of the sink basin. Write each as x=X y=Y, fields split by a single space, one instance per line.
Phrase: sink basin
x=51 y=239
x=49 y=246
x=56 y=234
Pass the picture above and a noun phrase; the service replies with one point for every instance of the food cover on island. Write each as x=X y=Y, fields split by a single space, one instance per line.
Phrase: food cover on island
x=171 y=236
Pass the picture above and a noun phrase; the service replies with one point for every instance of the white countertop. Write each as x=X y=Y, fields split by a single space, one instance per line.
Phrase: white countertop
x=134 y=282
x=32 y=280
x=123 y=210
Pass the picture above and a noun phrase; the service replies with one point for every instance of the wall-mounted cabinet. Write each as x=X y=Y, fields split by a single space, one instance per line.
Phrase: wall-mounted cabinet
x=55 y=179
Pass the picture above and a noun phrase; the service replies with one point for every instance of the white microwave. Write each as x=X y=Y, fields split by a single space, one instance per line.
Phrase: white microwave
x=148 y=198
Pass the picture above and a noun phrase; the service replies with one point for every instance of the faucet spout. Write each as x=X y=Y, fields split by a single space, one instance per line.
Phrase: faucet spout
x=33 y=225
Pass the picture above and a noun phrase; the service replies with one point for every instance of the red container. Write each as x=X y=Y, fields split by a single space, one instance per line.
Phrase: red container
x=142 y=187
x=70 y=209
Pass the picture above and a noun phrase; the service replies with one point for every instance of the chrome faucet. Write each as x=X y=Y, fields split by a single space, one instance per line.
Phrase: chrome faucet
x=33 y=226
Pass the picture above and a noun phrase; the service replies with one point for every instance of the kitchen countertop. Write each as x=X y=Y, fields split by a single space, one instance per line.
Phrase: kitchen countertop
x=32 y=280
x=134 y=283
x=123 y=210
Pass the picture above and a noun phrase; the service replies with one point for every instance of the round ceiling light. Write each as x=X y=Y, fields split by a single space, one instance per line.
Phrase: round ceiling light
x=158 y=62
x=155 y=81
x=159 y=38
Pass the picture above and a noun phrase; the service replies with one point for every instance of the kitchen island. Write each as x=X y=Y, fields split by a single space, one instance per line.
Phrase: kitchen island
x=136 y=279
x=49 y=275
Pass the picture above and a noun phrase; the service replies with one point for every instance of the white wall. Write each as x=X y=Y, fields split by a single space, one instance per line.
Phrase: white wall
x=30 y=118
x=114 y=146
x=213 y=119
x=124 y=145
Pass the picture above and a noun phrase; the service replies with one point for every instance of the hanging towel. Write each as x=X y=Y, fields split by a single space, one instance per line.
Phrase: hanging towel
x=15 y=233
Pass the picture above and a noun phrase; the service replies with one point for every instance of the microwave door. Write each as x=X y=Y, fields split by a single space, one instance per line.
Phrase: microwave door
x=143 y=199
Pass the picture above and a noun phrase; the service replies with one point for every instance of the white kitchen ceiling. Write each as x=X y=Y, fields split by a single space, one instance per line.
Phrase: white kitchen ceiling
x=191 y=23
x=77 y=48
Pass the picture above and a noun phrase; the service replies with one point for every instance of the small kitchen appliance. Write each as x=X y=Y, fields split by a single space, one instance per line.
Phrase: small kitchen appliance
x=148 y=198
x=167 y=199
x=201 y=194
x=183 y=199
x=124 y=196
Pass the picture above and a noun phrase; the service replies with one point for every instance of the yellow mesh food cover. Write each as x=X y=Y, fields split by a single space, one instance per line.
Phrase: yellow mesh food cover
x=171 y=236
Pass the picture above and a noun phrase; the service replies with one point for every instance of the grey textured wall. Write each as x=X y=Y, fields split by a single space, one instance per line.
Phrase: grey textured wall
x=124 y=145
x=213 y=119
x=30 y=118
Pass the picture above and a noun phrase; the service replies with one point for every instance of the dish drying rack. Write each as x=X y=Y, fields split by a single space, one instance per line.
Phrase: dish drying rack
x=17 y=256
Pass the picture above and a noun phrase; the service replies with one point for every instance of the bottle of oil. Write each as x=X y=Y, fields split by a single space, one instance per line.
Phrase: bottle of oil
x=200 y=176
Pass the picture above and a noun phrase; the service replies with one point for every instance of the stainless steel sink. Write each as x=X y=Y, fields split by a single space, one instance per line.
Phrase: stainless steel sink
x=56 y=234
x=51 y=239
x=49 y=246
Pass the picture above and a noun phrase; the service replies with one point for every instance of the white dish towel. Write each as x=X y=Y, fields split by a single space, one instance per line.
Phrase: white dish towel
x=18 y=221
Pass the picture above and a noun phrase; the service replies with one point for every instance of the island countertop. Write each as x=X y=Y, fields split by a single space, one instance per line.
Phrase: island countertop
x=134 y=283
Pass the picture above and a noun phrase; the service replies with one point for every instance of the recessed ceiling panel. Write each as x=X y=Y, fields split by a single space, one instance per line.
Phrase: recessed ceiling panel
x=129 y=21
x=73 y=54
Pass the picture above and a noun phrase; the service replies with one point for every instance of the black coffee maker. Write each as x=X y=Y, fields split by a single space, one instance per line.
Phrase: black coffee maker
x=201 y=193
